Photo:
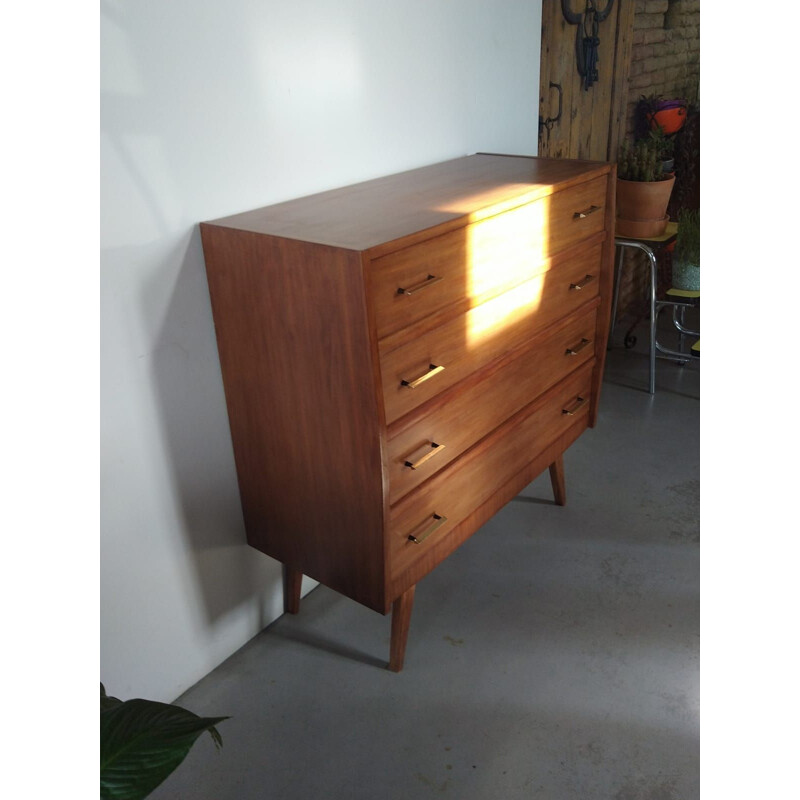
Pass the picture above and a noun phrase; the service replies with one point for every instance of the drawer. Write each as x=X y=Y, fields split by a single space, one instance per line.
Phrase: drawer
x=483 y=258
x=432 y=442
x=420 y=369
x=437 y=507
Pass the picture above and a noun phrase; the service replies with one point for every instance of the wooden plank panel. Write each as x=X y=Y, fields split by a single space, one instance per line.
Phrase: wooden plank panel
x=622 y=66
x=589 y=117
x=558 y=48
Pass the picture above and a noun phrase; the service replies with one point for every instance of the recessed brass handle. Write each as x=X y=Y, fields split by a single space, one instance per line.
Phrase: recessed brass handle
x=432 y=370
x=429 y=281
x=571 y=411
x=581 y=284
x=439 y=520
x=584 y=214
x=573 y=351
x=435 y=448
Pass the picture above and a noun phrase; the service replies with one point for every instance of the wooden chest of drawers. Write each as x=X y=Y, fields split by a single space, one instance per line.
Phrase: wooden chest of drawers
x=401 y=357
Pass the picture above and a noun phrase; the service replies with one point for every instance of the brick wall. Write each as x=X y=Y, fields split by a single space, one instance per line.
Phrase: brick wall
x=665 y=57
x=665 y=60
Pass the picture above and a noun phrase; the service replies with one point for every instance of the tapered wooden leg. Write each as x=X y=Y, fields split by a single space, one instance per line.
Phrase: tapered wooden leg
x=557 y=479
x=292 y=581
x=401 y=619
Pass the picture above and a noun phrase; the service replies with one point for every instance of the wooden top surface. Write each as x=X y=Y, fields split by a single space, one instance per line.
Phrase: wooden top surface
x=367 y=214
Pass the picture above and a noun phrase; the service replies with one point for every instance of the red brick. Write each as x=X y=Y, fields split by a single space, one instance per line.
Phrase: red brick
x=648 y=21
x=655 y=64
x=641 y=52
x=656 y=35
x=642 y=81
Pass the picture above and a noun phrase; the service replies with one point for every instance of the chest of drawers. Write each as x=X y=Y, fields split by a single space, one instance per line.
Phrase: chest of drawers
x=401 y=357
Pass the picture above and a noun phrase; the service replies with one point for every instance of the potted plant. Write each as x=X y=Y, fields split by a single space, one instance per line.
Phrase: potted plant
x=659 y=114
x=686 y=256
x=669 y=115
x=665 y=146
x=142 y=742
x=643 y=190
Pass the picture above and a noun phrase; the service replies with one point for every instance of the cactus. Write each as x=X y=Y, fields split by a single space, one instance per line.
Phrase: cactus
x=640 y=161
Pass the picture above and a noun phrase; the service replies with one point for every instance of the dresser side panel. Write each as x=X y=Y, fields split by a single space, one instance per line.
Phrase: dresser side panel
x=606 y=292
x=297 y=365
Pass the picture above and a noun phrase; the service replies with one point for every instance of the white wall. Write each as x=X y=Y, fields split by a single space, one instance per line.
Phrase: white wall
x=209 y=108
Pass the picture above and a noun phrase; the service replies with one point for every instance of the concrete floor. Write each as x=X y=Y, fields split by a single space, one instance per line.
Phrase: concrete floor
x=554 y=655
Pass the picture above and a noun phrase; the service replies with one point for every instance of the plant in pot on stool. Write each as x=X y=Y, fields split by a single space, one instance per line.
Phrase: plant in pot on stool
x=665 y=145
x=643 y=190
x=686 y=258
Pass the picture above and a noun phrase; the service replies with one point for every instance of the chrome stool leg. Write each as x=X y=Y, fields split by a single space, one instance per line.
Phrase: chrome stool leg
x=615 y=302
x=653 y=281
x=623 y=243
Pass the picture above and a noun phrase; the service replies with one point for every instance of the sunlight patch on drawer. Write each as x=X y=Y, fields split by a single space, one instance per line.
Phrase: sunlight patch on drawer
x=490 y=318
x=485 y=257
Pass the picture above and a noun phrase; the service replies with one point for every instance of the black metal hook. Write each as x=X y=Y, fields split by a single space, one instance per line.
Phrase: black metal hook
x=550 y=121
x=574 y=18
x=586 y=45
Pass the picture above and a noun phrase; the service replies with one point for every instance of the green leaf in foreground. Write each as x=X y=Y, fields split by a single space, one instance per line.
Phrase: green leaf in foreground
x=142 y=742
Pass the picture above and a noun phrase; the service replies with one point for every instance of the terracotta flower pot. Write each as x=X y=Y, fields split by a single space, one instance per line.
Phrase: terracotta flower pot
x=641 y=229
x=642 y=207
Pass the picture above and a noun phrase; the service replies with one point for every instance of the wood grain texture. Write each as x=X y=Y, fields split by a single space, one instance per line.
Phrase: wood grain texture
x=485 y=332
x=557 y=64
x=442 y=548
x=606 y=290
x=622 y=65
x=587 y=124
x=393 y=211
x=482 y=259
x=314 y=341
x=401 y=622
x=455 y=491
x=297 y=367
x=457 y=420
x=292 y=583
x=558 y=481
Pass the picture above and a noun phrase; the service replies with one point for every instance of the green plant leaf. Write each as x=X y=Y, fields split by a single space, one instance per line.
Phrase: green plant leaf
x=107 y=702
x=142 y=742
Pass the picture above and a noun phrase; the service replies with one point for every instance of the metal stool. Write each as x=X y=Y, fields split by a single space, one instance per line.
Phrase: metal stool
x=685 y=299
x=652 y=246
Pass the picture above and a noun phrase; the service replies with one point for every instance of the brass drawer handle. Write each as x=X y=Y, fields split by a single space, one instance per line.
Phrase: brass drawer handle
x=432 y=370
x=429 y=281
x=581 y=284
x=438 y=522
x=571 y=411
x=435 y=448
x=584 y=214
x=573 y=351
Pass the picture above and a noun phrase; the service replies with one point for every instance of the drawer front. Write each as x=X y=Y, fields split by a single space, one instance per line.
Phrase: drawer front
x=431 y=443
x=481 y=259
x=428 y=514
x=417 y=371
